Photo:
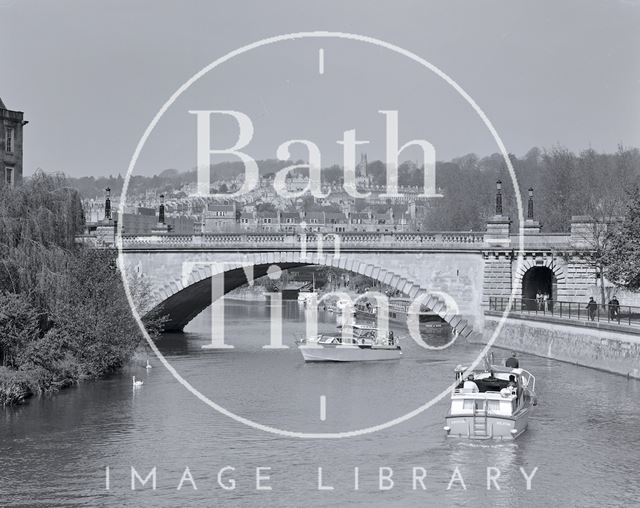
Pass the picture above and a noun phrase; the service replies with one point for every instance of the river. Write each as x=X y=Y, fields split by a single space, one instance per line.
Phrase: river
x=583 y=437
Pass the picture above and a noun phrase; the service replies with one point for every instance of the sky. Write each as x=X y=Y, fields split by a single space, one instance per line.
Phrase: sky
x=90 y=75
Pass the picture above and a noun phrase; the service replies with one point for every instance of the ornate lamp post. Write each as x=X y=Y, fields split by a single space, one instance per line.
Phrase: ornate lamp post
x=107 y=204
x=161 y=210
x=499 y=197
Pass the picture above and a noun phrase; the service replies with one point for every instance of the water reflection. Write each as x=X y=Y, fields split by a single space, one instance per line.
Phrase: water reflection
x=583 y=435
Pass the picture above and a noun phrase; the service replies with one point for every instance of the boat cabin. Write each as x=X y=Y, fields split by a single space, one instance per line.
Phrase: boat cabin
x=498 y=391
x=362 y=335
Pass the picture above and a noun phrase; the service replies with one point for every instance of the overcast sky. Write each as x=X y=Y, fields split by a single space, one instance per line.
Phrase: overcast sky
x=91 y=74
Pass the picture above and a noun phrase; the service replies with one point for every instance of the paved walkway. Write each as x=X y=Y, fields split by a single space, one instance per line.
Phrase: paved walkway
x=572 y=311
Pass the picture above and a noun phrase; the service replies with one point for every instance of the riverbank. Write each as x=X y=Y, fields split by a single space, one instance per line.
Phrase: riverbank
x=16 y=386
x=64 y=314
x=611 y=349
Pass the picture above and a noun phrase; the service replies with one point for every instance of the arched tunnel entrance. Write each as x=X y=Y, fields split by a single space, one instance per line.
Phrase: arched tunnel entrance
x=538 y=281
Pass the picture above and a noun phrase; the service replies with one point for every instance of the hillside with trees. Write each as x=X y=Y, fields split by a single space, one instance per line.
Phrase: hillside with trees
x=565 y=184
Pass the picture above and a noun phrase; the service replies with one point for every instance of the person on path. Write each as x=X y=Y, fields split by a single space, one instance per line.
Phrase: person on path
x=592 y=307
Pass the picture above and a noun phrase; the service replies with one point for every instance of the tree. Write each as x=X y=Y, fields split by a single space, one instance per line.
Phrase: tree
x=621 y=263
x=18 y=326
x=602 y=192
x=63 y=310
x=266 y=207
x=96 y=314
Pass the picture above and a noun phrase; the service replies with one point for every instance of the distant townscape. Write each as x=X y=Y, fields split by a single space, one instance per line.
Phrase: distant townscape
x=263 y=209
x=565 y=184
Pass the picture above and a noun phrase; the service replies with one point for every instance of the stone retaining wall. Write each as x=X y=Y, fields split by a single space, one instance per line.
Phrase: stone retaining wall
x=586 y=344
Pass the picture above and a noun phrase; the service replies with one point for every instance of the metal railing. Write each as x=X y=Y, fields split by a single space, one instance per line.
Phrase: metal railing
x=583 y=311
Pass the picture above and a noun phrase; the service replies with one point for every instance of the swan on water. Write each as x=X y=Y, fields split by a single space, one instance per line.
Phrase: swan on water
x=137 y=383
x=148 y=365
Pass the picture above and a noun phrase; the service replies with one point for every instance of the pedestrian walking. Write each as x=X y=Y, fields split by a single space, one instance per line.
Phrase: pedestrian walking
x=614 y=309
x=592 y=307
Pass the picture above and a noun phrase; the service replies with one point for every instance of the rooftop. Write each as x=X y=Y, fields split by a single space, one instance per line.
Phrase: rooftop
x=220 y=208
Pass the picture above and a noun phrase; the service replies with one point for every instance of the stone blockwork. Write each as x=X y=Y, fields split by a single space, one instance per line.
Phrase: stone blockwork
x=11 y=124
x=451 y=282
x=545 y=259
x=580 y=279
x=464 y=268
x=582 y=344
x=574 y=276
x=497 y=275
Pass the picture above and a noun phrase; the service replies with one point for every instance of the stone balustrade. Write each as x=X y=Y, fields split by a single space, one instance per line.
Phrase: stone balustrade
x=442 y=240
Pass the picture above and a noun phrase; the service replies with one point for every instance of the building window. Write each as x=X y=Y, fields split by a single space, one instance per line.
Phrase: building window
x=10 y=139
x=8 y=176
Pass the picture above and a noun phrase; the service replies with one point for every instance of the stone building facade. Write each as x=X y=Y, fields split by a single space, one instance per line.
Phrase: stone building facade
x=11 y=123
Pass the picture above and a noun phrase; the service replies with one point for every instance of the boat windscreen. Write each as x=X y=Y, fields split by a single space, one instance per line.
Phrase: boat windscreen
x=488 y=384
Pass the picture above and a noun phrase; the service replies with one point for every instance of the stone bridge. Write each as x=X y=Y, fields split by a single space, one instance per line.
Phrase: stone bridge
x=465 y=267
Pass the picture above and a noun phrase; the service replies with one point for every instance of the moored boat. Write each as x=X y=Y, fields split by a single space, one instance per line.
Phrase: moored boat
x=364 y=343
x=491 y=403
x=398 y=312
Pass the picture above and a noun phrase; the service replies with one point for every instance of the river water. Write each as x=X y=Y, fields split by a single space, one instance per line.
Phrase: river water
x=584 y=436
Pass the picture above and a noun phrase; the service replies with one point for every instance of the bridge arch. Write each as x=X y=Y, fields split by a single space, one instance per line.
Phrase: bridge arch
x=538 y=275
x=183 y=300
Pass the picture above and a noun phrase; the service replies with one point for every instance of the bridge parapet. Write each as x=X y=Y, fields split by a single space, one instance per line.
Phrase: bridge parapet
x=395 y=241
x=557 y=241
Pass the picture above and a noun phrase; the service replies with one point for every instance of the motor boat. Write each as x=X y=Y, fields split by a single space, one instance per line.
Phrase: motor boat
x=491 y=403
x=356 y=343
x=398 y=312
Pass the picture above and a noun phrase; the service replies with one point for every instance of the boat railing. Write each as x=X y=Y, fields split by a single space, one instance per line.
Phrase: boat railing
x=529 y=381
x=476 y=395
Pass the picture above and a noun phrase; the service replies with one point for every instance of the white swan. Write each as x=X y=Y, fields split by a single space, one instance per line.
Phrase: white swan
x=137 y=383
x=148 y=365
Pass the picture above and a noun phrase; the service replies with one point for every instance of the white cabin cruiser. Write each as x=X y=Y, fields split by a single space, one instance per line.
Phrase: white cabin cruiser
x=363 y=343
x=492 y=403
